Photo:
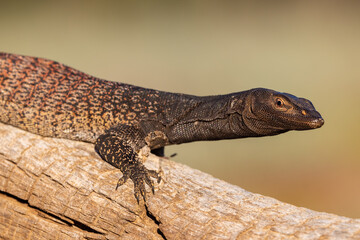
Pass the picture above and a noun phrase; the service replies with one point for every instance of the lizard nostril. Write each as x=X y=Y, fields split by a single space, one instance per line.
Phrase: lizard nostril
x=303 y=112
x=321 y=121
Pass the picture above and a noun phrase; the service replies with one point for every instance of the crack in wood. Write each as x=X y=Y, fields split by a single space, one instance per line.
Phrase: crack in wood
x=153 y=218
x=50 y=216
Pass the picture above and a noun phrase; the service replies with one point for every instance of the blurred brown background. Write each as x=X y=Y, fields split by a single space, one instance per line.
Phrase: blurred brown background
x=308 y=48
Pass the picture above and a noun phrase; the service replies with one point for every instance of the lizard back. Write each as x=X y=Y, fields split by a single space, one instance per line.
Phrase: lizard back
x=48 y=98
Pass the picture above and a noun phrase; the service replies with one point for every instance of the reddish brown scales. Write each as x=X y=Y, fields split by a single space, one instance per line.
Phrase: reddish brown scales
x=51 y=99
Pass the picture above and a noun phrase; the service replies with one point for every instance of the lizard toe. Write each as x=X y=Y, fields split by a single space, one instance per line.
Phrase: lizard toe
x=122 y=180
x=149 y=182
x=154 y=174
x=137 y=194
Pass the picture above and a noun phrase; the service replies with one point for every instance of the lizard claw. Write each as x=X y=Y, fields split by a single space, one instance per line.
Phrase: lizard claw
x=137 y=196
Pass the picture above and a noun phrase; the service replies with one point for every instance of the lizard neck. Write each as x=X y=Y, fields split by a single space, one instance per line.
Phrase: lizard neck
x=210 y=118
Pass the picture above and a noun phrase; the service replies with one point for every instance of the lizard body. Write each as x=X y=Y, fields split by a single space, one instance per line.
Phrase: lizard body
x=50 y=99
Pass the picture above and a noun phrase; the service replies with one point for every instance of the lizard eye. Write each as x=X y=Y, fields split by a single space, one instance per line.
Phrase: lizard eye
x=279 y=102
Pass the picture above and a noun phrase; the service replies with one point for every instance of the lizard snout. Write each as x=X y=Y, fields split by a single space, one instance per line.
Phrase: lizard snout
x=316 y=123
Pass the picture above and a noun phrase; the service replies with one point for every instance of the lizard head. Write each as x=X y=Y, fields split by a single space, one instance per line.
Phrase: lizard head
x=268 y=112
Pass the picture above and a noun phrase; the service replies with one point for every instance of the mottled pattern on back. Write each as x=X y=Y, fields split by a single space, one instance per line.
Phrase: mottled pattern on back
x=51 y=99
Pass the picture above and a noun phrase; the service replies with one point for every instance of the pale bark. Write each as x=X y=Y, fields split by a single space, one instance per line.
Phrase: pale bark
x=60 y=189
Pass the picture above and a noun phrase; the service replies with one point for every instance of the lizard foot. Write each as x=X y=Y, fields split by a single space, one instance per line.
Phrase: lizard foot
x=140 y=175
x=127 y=155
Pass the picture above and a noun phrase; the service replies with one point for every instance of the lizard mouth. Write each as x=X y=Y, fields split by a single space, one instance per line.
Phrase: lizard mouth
x=310 y=124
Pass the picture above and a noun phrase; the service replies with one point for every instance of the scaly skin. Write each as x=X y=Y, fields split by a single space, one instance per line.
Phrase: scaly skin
x=50 y=99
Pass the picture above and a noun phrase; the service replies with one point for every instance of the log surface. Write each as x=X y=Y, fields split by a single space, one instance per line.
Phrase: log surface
x=61 y=189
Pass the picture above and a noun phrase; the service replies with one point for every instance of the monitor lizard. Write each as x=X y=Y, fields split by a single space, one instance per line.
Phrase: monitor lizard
x=53 y=100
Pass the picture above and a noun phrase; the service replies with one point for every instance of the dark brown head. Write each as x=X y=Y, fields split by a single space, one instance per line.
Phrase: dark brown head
x=268 y=112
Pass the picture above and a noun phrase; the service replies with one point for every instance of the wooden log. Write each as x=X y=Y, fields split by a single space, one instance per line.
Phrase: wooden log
x=61 y=189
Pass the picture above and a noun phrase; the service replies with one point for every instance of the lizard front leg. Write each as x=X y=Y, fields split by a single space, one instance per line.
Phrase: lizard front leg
x=120 y=147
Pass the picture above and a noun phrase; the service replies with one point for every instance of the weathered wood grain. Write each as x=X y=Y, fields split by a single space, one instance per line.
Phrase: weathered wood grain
x=60 y=189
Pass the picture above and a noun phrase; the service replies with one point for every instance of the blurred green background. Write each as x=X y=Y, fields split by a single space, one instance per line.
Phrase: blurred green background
x=308 y=48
